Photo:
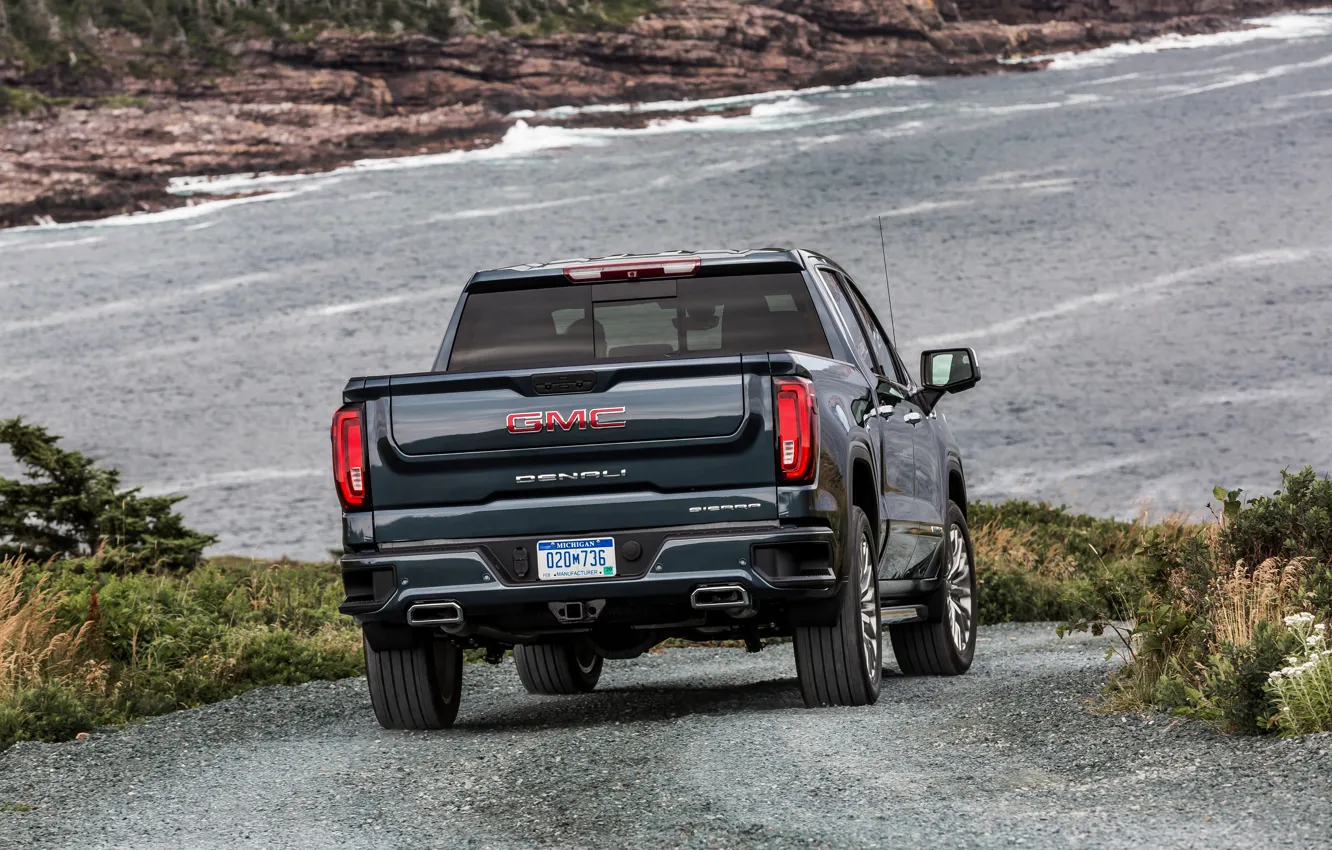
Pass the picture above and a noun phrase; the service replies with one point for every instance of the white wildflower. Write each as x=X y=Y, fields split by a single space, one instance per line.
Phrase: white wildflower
x=1320 y=627
x=1299 y=619
x=1275 y=675
x=1313 y=640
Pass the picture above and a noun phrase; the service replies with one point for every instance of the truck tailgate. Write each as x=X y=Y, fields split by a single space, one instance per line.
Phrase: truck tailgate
x=627 y=445
x=442 y=414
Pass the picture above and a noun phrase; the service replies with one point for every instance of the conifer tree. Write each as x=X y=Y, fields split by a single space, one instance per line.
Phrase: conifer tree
x=70 y=507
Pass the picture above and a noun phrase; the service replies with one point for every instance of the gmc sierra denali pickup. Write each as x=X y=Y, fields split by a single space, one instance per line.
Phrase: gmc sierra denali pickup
x=610 y=453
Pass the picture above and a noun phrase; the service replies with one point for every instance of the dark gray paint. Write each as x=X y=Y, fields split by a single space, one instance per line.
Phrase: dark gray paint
x=700 y=435
x=444 y=414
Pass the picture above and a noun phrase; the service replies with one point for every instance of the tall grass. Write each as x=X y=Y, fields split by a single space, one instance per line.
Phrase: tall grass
x=1224 y=609
x=33 y=646
x=49 y=676
x=80 y=647
x=1036 y=561
x=1245 y=600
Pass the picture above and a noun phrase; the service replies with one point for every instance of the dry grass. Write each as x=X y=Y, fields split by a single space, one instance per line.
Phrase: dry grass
x=1000 y=547
x=1041 y=562
x=1243 y=598
x=81 y=647
x=34 y=649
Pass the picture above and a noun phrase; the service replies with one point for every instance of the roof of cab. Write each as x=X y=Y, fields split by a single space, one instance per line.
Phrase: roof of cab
x=754 y=260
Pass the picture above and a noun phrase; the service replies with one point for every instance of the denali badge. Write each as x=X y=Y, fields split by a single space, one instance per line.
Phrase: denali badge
x=569 y=476
x=549 y=420
x=698 y=509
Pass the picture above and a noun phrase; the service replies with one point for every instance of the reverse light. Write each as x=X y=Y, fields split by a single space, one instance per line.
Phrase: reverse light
x=349 y=470
x=633 y=269
x=797 y=430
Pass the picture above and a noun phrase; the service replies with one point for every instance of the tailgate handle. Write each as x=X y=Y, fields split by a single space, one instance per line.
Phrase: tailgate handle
x=564 y=382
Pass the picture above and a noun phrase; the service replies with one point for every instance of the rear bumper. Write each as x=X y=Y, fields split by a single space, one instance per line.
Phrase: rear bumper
x=383 y=586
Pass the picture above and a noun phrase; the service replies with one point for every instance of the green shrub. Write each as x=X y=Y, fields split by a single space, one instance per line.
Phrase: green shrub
x=1214 y=626
x=1294 y=522
x=82 y=647
x=176 y=32
x=48 y=711
x=70 y=507
x=1057 y=537
x=1011 y=595
x=279 y=657
x=22 y=100
x=1035 y=562
x=51 y=684
x=1226 y=689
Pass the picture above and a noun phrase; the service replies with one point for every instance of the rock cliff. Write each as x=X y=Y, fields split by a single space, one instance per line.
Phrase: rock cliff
x=105 y=141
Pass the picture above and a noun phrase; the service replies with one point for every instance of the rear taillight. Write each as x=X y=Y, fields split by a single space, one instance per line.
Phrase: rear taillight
x=349 y=470
x=633 y=269
x=797 y=430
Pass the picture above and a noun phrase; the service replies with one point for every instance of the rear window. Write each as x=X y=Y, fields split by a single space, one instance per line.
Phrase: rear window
x=570 y=324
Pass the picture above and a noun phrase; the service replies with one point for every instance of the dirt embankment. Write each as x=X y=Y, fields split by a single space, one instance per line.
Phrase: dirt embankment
x=109 y=140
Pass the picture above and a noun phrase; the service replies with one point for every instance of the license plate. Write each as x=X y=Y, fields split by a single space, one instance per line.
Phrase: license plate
x=585 y=557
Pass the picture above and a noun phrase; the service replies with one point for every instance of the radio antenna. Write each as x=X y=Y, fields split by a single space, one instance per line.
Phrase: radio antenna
x=883 y=246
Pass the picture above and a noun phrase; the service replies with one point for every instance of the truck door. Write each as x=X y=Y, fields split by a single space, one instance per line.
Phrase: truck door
x=916 y=530
x=897 y=454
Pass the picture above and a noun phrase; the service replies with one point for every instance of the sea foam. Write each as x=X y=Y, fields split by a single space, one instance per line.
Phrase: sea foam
x=1287 y=27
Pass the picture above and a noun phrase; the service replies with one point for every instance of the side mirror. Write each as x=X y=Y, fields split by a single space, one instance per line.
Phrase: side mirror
x=945 y=370
x=949 y=370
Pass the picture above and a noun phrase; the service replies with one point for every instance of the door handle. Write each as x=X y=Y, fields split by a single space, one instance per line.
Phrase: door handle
x=913 y=417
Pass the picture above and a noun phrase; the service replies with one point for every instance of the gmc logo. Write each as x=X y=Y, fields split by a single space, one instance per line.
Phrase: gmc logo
x=549 y=420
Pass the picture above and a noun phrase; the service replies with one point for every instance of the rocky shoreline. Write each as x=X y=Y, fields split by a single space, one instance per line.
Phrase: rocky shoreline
x=108 y=142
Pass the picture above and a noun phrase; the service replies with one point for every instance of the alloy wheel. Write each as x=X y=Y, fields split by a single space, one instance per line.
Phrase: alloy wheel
x=871 y=646
x=959 y=585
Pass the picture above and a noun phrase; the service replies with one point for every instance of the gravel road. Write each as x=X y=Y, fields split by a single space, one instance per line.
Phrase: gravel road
x=689 y=748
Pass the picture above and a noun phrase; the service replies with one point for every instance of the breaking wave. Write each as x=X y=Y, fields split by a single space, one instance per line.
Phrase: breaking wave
x=523 y=140
x=1286 y=27
x=714 y=102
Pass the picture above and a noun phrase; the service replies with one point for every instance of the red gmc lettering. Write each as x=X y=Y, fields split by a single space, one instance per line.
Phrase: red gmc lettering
x=549 y=420
x=524 y=423
x=578 y=417
x=606 y=411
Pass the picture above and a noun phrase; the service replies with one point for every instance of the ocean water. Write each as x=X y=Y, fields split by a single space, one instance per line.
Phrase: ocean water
x=1138 y=243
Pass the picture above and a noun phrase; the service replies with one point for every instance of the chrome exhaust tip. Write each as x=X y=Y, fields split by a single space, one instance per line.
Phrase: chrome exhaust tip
x=435 y=614
x=720 y=596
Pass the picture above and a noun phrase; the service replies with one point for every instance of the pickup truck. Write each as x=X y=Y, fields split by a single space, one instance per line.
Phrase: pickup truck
x=718 y=445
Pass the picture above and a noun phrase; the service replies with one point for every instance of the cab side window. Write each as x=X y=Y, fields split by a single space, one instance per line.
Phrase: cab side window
x=849 y=319
x=890 y=366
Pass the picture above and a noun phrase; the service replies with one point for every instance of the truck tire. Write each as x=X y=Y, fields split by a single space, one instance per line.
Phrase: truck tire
x=842 y=664
x=417 y=687
x=944 y=647
x=557 y=669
